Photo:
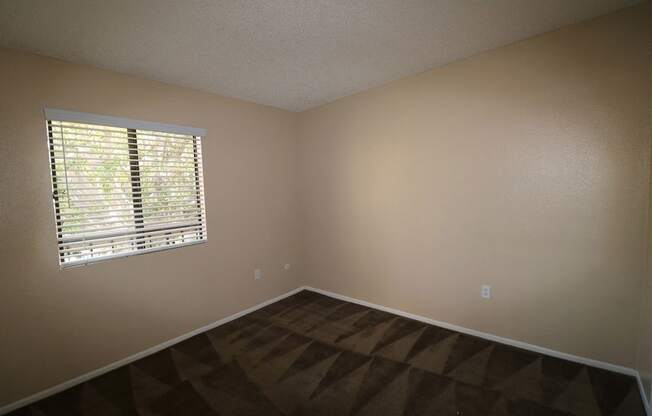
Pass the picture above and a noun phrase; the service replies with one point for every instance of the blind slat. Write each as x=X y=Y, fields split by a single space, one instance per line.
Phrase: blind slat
x=149 y=195
x=68 y=250
x=85 y=135
x=146 y=194
x=130 y=215
x=71 y=263
x=147 y=221
x=92 y=230
x=128 y=184
x=108 y=202
x=129 y=207
x=144 y=190
x=120 y=236
x=82 y=222
x=95 y=162
x=111 y=148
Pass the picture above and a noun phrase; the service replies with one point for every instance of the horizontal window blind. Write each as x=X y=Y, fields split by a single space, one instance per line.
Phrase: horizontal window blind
x=123 y=191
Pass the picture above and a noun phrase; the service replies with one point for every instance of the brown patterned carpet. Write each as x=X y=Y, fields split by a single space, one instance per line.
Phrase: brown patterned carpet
x=310 y=354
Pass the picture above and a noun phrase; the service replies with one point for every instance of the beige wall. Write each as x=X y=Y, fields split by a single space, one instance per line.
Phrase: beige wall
x=55 y=325
x=525 y=168
x=644 y=362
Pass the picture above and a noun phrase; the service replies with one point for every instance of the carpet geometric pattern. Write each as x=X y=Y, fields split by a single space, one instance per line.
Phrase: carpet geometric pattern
x=310 y=354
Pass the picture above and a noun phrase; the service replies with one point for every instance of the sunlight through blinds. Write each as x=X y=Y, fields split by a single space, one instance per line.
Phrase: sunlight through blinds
x=121 y=191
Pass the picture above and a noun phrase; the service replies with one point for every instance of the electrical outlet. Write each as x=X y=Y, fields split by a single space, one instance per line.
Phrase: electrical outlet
x=258 y=274
x=287 y=266
x=485 y=292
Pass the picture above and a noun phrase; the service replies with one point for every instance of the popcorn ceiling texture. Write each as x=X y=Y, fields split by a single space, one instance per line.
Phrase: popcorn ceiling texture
x=292 y=54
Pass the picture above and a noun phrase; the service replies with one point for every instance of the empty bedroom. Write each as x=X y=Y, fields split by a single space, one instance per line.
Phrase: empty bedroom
x=325 y=207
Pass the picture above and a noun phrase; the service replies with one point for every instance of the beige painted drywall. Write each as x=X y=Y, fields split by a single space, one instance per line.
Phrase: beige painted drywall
x=55 y=325
x=525 y=168
x=644 y=358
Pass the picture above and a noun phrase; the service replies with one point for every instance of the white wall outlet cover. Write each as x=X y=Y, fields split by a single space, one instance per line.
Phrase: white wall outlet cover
x=258 y=274
x=486 y=291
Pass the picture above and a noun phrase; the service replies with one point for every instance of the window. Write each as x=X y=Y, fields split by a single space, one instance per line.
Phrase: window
x=123 y=187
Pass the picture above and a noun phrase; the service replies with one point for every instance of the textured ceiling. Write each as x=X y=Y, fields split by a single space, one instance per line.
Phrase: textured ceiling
x=292 y=54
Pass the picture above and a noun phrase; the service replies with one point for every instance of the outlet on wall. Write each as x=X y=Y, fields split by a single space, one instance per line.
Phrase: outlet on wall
x=485 y=292
x=287 y=266
x=258 y=274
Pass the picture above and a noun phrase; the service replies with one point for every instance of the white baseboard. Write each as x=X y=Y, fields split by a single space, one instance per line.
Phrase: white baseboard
x=95 y=373
x=553 y=353
x=520 y=344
